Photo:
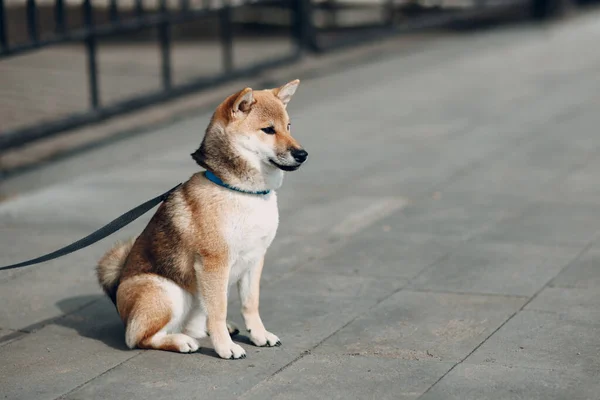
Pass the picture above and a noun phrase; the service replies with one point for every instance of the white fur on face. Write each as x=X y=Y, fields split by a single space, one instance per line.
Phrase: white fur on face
x=256 y=150
x=264 y=151
x=258 y=153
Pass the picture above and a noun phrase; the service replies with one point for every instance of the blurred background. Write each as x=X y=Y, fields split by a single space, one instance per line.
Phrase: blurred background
x=67 y=63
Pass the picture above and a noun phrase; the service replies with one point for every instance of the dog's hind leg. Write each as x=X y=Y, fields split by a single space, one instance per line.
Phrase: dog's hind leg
x=154 y=310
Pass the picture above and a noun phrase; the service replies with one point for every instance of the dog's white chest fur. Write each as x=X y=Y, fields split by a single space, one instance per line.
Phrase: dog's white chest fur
x=249 y=228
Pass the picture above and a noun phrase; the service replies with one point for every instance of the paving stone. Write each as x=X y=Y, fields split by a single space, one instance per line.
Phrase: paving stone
x=307 y=306
x=546 y=341
x=475 y=382
x=423 y=326
x=163 y=375
x=581 y=186
x=385 y=252
x=350 y=377
x=54 y=361
x=549 y=224
x=33 y=295
x=581 y=304
x=532 y=166
x=496 y=268
x=312 y=231
x=457 y=215
x=582 y=273
x=78 y=204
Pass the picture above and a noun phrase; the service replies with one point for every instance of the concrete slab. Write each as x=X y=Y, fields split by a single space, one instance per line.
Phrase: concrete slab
x=581 y=186
x=546 y=341
x=335 y=377
x=554 y=224
x=79 y=204
x=537 y=160
x=162 y=375
x=383 y=251
x=581 y=304
x=423 y=326
x=582 y=273
x=495 y=268
x=48 y=363
x=308 y=306
x=475 y=382
x=316 y=229
x=457 y=215
x=35 y=295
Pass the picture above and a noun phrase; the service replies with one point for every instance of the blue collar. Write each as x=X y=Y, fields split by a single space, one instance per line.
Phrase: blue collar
x=215 y=179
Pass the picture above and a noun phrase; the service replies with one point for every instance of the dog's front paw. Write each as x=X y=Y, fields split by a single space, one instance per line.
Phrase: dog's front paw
x=230 y=351
x=264 y=339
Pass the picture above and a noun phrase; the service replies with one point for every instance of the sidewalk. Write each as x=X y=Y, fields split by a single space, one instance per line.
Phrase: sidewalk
x=441 y=242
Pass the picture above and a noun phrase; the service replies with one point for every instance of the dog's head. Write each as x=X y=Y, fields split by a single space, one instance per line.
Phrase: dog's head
x=251 y=129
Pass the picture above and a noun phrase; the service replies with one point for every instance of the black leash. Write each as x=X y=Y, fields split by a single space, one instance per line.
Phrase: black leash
x=100 y=234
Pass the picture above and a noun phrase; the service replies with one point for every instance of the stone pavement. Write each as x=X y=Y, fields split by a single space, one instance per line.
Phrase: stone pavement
x=441 y=242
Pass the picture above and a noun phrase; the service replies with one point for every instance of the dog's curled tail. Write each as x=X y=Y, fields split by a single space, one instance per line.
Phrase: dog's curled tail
x=110 y=265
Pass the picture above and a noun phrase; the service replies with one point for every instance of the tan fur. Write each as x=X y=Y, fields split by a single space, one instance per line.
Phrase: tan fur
x=108 y=270
x=184 y=246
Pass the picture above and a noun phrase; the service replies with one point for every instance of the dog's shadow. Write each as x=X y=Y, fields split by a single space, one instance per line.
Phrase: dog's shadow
x=95 y=317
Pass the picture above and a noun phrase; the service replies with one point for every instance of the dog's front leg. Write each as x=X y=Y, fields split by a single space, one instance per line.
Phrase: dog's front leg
x=249 y=289
x=213 y=291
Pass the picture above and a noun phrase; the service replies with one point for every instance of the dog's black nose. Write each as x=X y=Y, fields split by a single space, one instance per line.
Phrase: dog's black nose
x=299 y=155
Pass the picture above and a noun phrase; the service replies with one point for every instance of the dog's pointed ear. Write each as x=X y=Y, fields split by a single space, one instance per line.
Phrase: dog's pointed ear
x=286 y=92
x=243 y=103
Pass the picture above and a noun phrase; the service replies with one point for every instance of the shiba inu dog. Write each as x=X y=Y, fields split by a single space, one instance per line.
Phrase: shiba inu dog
x=170 y=283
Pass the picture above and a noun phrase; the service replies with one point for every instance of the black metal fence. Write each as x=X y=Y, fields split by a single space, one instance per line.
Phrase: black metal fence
x=313 y=26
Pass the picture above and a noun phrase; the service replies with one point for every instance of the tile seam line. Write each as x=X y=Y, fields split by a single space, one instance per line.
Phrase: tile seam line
x=510 y=366
x=63 y=396
x=507 y=296
x=567 y=265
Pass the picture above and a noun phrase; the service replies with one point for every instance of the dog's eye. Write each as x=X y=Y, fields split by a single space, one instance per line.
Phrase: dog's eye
x=270 y=130
x=289 y=126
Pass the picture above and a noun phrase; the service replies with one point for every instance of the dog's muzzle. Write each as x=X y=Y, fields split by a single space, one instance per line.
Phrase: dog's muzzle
x=299 y=156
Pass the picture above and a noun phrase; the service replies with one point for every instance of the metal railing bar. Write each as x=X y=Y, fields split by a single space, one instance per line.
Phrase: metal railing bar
x=3 y=36
x=60 y=17
x=91 y=51
x=226 y=35
x=139 y=8
x=164 y=36
x=113 y=11
x=32 y=21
